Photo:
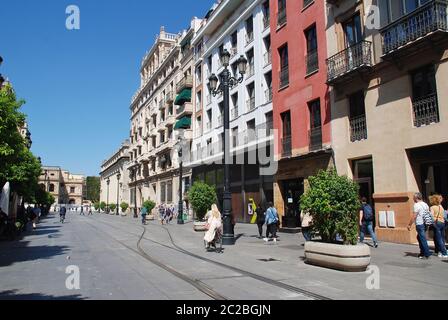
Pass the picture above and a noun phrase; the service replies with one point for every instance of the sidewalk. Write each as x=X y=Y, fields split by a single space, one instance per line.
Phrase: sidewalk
x=402 y=274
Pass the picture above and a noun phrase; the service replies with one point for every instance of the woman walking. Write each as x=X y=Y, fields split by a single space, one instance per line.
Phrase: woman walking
x=438 y=212
x=214 y=225
x=261 y=219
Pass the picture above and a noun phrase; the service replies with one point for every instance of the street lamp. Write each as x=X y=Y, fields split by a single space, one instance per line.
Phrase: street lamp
x=227 y=81
x=180 y=210
x=118 y=191
x=107 y=204
x=1 y=77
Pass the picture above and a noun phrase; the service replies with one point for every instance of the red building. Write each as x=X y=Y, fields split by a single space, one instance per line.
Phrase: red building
x=301 y=100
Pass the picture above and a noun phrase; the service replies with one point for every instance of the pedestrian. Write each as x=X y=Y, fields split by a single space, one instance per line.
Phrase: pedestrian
x=90 y=210
x=421 y=209
x=366 y=218
x=261 y=219
x=307 y=220
x=168 y=215
x=82 y=211
x=162 y=214
x=271 y=222
x=144 y=213
x=214 y=227
x=36 y=215
x=438 y=214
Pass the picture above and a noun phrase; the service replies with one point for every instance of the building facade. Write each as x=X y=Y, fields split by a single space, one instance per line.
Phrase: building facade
x=65 y=187
x=387 y=69
x=302 y=114
x=161 y=115
x=114 y=177
x=241 y=28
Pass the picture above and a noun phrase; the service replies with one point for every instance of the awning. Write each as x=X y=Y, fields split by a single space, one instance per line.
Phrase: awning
x=184 y=123
x=184 y=96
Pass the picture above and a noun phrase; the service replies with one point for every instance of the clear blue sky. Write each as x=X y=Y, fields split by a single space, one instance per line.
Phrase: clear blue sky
x=78 y=84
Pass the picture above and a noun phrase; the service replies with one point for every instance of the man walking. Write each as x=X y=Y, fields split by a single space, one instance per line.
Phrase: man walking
x=366 y=218
x=144 y=213
x=420 y=209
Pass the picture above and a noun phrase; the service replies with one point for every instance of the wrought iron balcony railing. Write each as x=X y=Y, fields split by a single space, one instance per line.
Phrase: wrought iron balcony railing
x=281 y=18
x=426 y=19
x=284 y=77
x=358 y=128
x=348 y=60
x=312 y=61
x=315 y=139
x=286 y=146
x=426 y=111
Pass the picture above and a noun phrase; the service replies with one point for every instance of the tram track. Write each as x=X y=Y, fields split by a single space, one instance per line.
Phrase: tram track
x=246 y=273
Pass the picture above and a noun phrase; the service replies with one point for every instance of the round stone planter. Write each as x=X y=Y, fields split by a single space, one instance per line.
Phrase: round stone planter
x=199 y=226
x=336 y=256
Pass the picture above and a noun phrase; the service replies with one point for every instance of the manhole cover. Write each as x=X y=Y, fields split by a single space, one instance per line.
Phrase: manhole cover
x=269 y=260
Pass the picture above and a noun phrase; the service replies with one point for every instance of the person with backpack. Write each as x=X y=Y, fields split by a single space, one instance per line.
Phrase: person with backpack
x=438 y=212
x=144 y=213
x=366 y=217
x=422 y=219
x=271 y=222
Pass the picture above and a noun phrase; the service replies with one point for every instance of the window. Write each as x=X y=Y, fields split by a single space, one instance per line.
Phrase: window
x=251 y=63
x=424 y=96
x=281 y=16
x=315 y=126
x=286 y=137
x=357 y=117
x=392 y=10
x=51 y=189
x=251 y=94
x=169 y=191
x=249 y=30
x=284 y=66
x=352 y=30
x=266 y=14
x=72 y=189
x=163 y=192
x=312 y=59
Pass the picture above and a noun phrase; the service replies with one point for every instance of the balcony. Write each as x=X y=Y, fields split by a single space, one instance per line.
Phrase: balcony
x=281 y=17
x=342 y=66
x=268 y=95
x=426 y=111
x=267 y=58
x=185 y=83
x=284 y=77
x=162 y=104
x=250 y=104
x=184 y=110
x=235 y=113
x=315 y=139
x=358 y=128
x=286 y=146
x=429 y=21
x=170 y=121
x=312 y=62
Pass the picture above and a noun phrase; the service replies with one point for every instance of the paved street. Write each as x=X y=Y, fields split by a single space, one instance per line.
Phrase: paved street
x=171 y=263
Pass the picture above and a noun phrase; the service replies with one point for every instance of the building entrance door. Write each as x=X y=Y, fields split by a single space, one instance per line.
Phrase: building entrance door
x=292 y=191
x=435 y=180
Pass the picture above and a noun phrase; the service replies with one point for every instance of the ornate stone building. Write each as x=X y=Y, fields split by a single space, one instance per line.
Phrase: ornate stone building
x=67 y=188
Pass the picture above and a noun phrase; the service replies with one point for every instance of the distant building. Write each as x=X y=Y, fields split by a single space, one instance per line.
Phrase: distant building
x=67 y=188
x=26 y=134
x=114 y=177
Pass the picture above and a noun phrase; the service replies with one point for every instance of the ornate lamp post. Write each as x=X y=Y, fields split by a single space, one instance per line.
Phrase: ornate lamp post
x=118 y=193
x=107 y=200
x=180 y=210
x=227 y=81
x=1 y=77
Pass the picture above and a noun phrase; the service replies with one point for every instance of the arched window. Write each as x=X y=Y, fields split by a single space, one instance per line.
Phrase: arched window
x=51 y=187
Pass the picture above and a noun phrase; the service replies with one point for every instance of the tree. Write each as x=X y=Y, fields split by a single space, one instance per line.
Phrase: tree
x=333 y=203
x=124 y=206
x=201 y=197
x=93 y=188
x=149 y=205
x=17 y=164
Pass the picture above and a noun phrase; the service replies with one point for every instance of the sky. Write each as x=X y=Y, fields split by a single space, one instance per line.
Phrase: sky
x=78 y=84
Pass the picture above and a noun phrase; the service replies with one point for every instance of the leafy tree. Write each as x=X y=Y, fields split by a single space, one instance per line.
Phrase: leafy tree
x=103 y=205
x=124 y=206
x=201 y=197
x=149 y=205
x=333 y=202
x=93 y=188
x=17 y=164
x=112 y=207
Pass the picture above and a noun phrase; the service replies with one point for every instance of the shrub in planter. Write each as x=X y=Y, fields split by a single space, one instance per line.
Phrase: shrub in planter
x=96 y=205
x=112 y=207
x=124 y=206
x=103 y=205
x=201 y=196
x=333 y=202
x=149 y=205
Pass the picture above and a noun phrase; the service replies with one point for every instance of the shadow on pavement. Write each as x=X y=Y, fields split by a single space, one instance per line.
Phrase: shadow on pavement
x=13 y=295
x=13 y=254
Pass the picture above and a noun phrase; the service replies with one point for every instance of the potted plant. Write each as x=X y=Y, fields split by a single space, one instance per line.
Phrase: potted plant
x=124 y=207
x=201 y=196
x=96 y=205
x=103 y=206
x=333 y=203
x=112 y=208
x=149 y=205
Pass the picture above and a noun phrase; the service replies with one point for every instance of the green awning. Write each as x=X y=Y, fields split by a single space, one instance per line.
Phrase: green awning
x=184 y=96
x=184 y=123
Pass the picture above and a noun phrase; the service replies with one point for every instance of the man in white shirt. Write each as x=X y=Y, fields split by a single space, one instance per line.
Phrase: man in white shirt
x=420 y=207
